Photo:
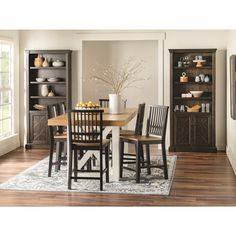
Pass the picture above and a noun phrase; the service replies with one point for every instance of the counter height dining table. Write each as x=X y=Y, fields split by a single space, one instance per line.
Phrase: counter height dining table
x=111 y=122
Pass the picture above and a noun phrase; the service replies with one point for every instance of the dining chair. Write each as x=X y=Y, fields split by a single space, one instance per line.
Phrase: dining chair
x=155 y=134
x=104 y=102
x=85 y=133
x=62 y=108
x=57 y=137
x=138 y=124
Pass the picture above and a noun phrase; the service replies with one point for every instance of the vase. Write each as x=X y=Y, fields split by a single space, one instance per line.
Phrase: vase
x=45 y=63
x=44 y=90
x=115 y=103
x=38 y=61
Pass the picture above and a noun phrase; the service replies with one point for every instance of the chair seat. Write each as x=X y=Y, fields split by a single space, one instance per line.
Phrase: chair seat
x=141 y=138
x=105 y=143
x=123 y=132
x=60 y=136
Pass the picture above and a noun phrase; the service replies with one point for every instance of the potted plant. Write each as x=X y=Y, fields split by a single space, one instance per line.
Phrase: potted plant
x=117 y=79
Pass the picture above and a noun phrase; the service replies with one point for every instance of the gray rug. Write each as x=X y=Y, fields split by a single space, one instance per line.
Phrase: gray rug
x=35 y=178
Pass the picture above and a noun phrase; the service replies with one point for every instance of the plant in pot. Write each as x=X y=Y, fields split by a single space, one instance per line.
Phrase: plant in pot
x=117 y=79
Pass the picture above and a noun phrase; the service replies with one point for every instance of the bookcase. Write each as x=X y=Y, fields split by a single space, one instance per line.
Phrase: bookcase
x=56 y=80
x=192 y=119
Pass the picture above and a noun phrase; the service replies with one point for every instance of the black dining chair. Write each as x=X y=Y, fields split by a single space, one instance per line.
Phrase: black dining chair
x=138 y=130
x=85 y=133
x=104 y=102
x=155 y=134
x=138 y=124
x=58 y=137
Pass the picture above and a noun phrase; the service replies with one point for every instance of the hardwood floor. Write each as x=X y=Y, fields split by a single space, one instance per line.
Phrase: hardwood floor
x=201 y=179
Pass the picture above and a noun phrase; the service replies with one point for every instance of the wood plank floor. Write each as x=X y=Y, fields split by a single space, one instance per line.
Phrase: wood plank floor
x=200 y=180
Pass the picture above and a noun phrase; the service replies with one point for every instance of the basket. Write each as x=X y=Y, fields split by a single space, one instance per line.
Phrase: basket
x=194 y=108
x=184 y=78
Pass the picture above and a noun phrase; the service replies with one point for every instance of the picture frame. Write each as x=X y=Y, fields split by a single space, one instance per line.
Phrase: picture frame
x=233 y=86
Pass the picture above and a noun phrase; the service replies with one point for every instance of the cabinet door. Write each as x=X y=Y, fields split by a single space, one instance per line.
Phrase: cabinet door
x=182 y=132
x=38 y=128
x=202 y=130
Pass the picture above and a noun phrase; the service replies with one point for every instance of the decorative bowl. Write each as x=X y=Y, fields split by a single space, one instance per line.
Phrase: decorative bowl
x=53 y=79
x=196 y=94
x=58 y=63
x=40 y=79
x=87 y=105
x=39 y=107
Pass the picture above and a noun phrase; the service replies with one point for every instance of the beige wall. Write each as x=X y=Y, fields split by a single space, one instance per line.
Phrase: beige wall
x=231 y=124
x=116 y=53
x=174 y=39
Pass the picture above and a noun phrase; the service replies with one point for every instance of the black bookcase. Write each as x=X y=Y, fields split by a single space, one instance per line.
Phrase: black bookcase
x=192 y=131
x=37 y=129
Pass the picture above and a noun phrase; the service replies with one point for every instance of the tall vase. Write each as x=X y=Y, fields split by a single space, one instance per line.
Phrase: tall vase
x=115 y=103
x=45 y=63
x=44 y=90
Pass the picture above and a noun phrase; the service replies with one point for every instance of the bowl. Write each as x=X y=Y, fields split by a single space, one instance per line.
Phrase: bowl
x=40 y=79
x=196 y=94
x=52 y=79
x=58 y=63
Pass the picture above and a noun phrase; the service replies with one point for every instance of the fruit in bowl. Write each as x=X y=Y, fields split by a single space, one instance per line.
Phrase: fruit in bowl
x=87 y=105
x=196 y=94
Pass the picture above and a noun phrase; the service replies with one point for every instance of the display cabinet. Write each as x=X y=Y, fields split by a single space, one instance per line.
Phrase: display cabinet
x=48 y=74
x=192 y=100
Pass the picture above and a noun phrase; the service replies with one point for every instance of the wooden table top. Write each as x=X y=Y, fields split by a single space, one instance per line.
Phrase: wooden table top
x=109 y=119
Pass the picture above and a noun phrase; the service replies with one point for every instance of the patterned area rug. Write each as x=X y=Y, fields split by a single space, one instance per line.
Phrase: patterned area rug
x=35 y=178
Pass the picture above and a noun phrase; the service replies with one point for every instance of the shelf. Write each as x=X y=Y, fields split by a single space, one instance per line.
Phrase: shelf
x=197 y=83
x=192 y=67
x=196 y=113
x=192 y=98
x=53 y=97
x=47 y=82
x=48 y=68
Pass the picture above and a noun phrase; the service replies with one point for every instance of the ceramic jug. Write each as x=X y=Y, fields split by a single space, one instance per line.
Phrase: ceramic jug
x=45 y=63
x=207 y=79
x=202 y=76
x=197 y=79
x=38 y=61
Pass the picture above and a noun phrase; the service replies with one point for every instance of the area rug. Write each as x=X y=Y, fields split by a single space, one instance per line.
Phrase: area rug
x=35 y=178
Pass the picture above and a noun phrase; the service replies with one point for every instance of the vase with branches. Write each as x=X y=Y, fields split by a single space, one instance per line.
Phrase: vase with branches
x=118 y=78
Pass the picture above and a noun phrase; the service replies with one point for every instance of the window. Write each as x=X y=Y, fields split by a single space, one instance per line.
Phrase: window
x=6 y=89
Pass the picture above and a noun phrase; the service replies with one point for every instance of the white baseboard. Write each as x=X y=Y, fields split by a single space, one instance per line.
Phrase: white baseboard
x=9 y=144
x=232 y=158
x=220 y=147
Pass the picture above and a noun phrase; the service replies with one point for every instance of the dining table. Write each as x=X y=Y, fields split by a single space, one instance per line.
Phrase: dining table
x=111 y=123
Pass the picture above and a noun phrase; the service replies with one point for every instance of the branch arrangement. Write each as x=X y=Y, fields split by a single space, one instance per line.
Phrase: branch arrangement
x=118 y=79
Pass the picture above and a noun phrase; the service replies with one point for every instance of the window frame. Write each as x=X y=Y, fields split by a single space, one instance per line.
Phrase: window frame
x=10 y=89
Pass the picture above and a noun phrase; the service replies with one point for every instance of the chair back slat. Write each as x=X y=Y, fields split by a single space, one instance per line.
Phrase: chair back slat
x=139 y=120
x=157 y=120
x=53 y=111
x=104 y=102
x=85 y=126
x=62 y=106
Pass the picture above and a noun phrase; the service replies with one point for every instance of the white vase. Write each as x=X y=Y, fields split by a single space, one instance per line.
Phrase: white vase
x=115 y=103
x=44 y=90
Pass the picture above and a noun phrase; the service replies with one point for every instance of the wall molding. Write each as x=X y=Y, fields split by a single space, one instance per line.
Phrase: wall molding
x=9 y=144
x=232 y=158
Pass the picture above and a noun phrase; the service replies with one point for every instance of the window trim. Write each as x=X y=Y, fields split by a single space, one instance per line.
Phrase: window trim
x=11 y=88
